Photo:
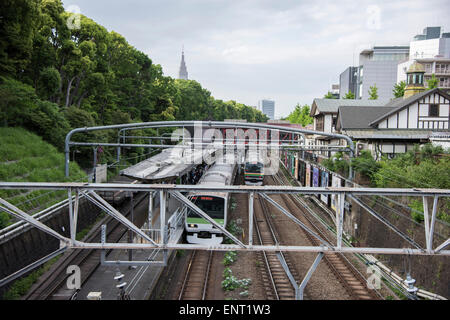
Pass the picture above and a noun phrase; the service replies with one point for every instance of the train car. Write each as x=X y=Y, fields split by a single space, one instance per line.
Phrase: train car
x=214 y=204
x=254 y=169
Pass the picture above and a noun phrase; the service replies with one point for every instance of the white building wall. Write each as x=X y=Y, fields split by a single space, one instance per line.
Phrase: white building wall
x=429 y=48
x=401 y=70
x=413 y=114
x=416 y=116
x=328 y=123
x=392 y=121
x=403 y=119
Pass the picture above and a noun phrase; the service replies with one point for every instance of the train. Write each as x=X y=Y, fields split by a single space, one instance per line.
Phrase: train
x=214 y=204
x=254 y=169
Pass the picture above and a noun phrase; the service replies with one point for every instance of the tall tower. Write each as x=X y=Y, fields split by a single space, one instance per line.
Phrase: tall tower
x=183 y=74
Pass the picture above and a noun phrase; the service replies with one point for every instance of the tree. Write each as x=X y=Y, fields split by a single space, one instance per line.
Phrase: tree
x=373 y=92
x=433 y=82
x=48 y=83
x=17 y=27
x=399 y=89
x=329 y=95
x=349 y=95
x=300 y=115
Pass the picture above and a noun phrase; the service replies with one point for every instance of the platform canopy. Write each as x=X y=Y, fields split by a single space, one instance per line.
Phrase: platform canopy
x=169 y=163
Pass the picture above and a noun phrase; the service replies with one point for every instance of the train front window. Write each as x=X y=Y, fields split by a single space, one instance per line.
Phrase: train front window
x=212 y=206
x=254 y=167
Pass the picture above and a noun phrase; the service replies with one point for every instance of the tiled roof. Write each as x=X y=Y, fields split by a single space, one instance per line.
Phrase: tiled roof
x=355 y=117
x=332 y=105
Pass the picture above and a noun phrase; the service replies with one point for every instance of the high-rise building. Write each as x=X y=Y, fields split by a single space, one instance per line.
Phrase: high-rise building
x=378 y=67
x=183 y=74
x=347 y=82
x=268 y=108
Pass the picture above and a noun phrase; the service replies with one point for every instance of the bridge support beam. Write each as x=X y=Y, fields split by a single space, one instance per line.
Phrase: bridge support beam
x=301 y=289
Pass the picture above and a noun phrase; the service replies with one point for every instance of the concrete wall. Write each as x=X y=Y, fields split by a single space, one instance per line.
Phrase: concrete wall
x=431 y=273
x=31 y=244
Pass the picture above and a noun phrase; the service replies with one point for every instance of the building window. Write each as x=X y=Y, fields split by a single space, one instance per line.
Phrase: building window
x=320 y=123
x=410 y=79
x=434 y=110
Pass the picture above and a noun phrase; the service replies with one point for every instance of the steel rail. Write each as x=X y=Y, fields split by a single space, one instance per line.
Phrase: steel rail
x=266 y=260
x=346 y=263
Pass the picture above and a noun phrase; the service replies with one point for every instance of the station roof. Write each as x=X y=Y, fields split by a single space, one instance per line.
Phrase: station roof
x=332 y=105
x=170 y=163
x=354 y=117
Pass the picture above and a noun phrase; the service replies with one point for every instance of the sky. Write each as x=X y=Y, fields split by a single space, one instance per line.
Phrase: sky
x=290 y=51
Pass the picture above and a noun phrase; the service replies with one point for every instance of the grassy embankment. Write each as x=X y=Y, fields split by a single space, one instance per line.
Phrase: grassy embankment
x=25 y=157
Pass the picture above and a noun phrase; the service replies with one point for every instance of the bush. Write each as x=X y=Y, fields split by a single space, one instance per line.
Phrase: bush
x=365 y=164
x=20 y=106
x=229 y=258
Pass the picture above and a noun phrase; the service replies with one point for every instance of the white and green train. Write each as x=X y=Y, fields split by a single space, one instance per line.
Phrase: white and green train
x=214 y=204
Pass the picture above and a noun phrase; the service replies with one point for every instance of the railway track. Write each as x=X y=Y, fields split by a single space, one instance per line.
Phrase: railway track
x=51 y=287
x=275 y=279
x=354 y=283
x=195 y=284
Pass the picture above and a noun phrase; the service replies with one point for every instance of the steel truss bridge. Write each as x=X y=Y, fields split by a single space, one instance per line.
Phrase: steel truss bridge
x=161 y=241
x=164 y=239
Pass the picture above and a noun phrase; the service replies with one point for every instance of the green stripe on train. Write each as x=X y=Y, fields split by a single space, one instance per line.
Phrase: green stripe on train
x=203 y=221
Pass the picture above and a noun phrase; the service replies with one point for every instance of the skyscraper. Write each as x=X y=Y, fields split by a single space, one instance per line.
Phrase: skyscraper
x=183 y=74
x=268 y=108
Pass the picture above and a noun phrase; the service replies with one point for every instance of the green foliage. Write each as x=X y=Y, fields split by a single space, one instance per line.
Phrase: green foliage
x=373 y=92
x=49 y=81
x=22 y=286
x=300 y=115
x=26 y=157
x=399 y=89
x=417 y=210
x=20 y=106
x=337 y=163
x=231 y=283
x=425 y=167
x=418 y=168
x=433 y=82
x=349 y=95
x=229 y=258
x=365 y=164
x=329 y=95
x=234 y=229
x=17 y=27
